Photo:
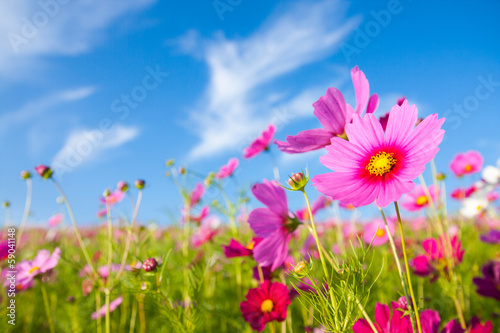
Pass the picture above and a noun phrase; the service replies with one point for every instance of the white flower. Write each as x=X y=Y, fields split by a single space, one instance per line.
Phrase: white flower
x=473 y=206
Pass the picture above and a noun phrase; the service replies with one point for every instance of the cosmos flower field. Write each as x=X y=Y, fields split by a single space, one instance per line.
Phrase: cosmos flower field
x=248 y=261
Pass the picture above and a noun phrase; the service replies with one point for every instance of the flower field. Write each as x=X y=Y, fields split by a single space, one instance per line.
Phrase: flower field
x=243 y=259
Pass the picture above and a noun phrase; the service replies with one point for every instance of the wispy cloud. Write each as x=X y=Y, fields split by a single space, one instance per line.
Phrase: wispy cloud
x=236 y=104
x=31 y=30
x=83 y=146
x=31 y=110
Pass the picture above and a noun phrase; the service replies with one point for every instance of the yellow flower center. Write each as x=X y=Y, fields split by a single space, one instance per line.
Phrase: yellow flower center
x=267 y=306
x=468 y=168
x=479 y=207
x=343 y=136
x=350 y=206
x=422 y=200
x=381 y=163
x=251 y=245
x=380 y=233
x=34 y=269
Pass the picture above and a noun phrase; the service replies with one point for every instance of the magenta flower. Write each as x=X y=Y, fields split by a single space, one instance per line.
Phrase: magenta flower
x=417 y=199
x=377 y=166
x=489 y=285
x=236 y=249
x=113 y=198
x=4 y=250
x=376 y=232
x=274 y=223
x=55 y=219
x=43 y=262
x=196 y=195
x=333 y=113
x=112 y=307
x=428 y=263
x=198 y=219
x=203 y=235
x=384 y=322
x=261 y=143
x=492 y=237
x=228 y=169
x=466 y=163
x=264 y=304
x=460 y=194
x=475 y=326
x=44 y=171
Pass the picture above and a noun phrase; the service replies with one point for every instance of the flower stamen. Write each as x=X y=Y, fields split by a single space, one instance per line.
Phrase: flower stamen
x=267 y=306
x=381 y=163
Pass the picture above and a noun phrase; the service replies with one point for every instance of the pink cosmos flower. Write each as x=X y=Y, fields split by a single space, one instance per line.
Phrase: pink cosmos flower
x=4 y=250
x=267 y=303
x=196 y=219
x=236 y=249
x=196 y=195
x=377 y=166
x=460 y=194
x=466 y=163
x=428 y=263
x=55 y=219
x=398 y=322
x=228 y=169
x=115 y=197
x=376 y=232
x=475 y=326
x=43 y=262
x=333 y=113
x=112 y=307
x=274 y=223
x=203 y=235
x=101 y=213
x=417 y=199
x=261 y=143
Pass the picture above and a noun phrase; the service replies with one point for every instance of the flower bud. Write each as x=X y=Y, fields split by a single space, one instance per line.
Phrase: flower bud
x=403 y=303
x=139 y=184
x=25 y=174
x=210 y=178
x=170 y=162
x=44 y=171
x=150 y=264
x=106 y=193
x=182 y=170
x=6 y=204
x=122 y=186
x=300 y=268
x=297 y=181
x=440 y=176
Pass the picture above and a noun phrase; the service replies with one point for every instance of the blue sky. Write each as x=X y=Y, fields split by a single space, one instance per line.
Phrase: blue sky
x=195 y=81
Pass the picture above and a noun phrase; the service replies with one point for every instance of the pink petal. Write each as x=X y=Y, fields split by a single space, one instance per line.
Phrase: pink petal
x=361 y=89
x=372 y=104
x=271 y=195
x=305 y=141
x=330 y=111
x=264 y=222
x=365 y=132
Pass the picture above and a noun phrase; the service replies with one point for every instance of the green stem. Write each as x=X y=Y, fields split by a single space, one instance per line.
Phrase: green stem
x=27 y=205
x=408 y=275
x=47 y=308
x=107 y=318
x=110 y=242
x=98 y=307
x=77 y=231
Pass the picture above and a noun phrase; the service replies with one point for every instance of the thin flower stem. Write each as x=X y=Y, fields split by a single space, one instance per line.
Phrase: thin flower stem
x=322 y=258
x=107 y=318
x=261 y=275
x=47 y=308
x=110 y=240
x=27 y=205
x=129 y=236
x=367 y=317
x=133 y=317
x=398 y=265
x=97 y=307
x=408 y=274
x=276 y=171
x=77 y=231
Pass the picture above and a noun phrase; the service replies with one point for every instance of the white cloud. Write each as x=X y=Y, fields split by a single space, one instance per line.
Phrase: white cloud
x=32 y=29
x=31 y=110
x=238 y=103
x=83 y=146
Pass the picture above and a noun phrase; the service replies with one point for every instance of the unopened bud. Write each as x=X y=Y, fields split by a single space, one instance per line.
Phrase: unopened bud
x=300 y=267
x=122 y=186
x=6 y=204
x=149 y=264
x=139 y=184
x=25 y=174
x=44 y=171
x=297 y=181
x=182 y=170
x=106 y=193
x=440 y=176
x=170 y=162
